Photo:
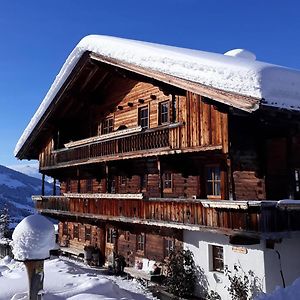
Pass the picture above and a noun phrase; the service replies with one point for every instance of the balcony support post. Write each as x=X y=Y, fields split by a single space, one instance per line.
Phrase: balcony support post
x=43 y=185
x=78 y=181
x=160 y=174
x=54 y=187
x=107 y=188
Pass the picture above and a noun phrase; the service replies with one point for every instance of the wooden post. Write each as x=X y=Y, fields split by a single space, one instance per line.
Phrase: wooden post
x=35 y=272
x=78 y=181
x=160 y=182
x=43 y=185
x=290 y=170
x=107 y=181
x=54 y=187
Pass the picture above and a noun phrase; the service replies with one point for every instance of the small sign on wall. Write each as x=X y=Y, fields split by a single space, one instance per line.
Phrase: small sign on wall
x=241 y=250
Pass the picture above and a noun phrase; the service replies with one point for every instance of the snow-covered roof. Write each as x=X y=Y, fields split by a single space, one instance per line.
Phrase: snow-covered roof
x=236 y=71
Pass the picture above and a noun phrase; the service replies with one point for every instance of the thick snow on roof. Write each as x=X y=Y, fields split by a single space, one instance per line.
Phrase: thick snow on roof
x=33 y=238
x=236 y=71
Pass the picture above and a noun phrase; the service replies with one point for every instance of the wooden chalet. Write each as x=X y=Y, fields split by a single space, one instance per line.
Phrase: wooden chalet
x=142 y=156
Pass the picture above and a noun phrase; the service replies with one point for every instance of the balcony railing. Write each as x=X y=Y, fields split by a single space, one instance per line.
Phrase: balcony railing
x=253 y=216
x=116 y=145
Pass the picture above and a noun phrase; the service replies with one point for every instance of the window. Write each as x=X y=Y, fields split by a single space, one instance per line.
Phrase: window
x=217 y=258
x=88 y=233
x=167 y=180
x=107 y=126
x=127 y=236
x=111 y=185
x=123 y=180
x=75 y=232
x=169 y=245
x=65 y=228
x=213 y=181
x=144 y=180
x=89 y=185
x=141 y=242
x=143 y=117
x=297 y=180
x=68 y=185
x=110 y=235
x=163 y=112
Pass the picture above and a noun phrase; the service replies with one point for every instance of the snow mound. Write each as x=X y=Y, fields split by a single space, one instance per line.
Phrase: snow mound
x=65 y=280
x=241 y=53
x=33 y=238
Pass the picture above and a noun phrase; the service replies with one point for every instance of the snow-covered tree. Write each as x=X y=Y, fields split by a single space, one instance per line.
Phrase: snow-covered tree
x=4 y=223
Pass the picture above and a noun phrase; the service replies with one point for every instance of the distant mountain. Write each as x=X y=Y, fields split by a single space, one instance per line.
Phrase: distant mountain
x=16 y=190
x=30 y=169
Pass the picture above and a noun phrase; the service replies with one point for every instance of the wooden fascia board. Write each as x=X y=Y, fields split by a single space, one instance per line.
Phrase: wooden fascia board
x=44 y=118
x=242 y=102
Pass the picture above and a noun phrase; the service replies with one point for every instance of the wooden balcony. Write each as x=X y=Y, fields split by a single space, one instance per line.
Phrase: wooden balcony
x=252 y=217
x=93 y=149
x=117 y=145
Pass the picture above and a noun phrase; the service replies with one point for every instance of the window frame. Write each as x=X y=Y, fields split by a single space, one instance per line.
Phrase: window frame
x=89 y=185
x=140 y=242
x=217 y=258
x=123 y=180
x=68 y=185
x=162 y=115
x=76 y=232
x=167 y=182
x=296 y=181
x=140 y=119
x=213 y=181
x=106 y=127
x=169 y=246
x=143 y=182
x=110 y=235
x=88 y=234
x=65 y=229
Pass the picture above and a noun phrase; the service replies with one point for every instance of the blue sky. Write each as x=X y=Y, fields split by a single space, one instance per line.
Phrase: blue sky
x=37 y=36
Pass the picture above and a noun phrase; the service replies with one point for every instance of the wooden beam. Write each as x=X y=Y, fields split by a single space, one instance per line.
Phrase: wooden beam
x=43 y=184
x=54 y=187
x=160 y=175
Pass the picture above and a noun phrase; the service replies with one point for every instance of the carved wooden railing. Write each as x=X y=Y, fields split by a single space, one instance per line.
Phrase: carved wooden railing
x=181 y=213
x=146 y=140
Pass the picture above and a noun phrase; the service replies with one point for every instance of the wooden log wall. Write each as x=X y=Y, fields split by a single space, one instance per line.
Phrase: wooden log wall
x=205 y=125
x=183 y=187
x=68 y=240
x=247 y=159
x=126 y=240
x=130 y=96
x=45 y=157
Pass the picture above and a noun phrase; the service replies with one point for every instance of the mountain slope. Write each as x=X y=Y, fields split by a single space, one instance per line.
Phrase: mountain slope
x=16 y=190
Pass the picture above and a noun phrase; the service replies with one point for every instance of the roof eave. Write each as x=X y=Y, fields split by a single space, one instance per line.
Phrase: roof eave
x=245 y=103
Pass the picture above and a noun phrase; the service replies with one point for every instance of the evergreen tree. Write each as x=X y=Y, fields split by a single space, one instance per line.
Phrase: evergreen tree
x=4 y=223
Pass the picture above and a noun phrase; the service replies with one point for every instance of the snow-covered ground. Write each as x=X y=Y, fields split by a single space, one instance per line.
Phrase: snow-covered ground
x=65 y=279
x=291 y=292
